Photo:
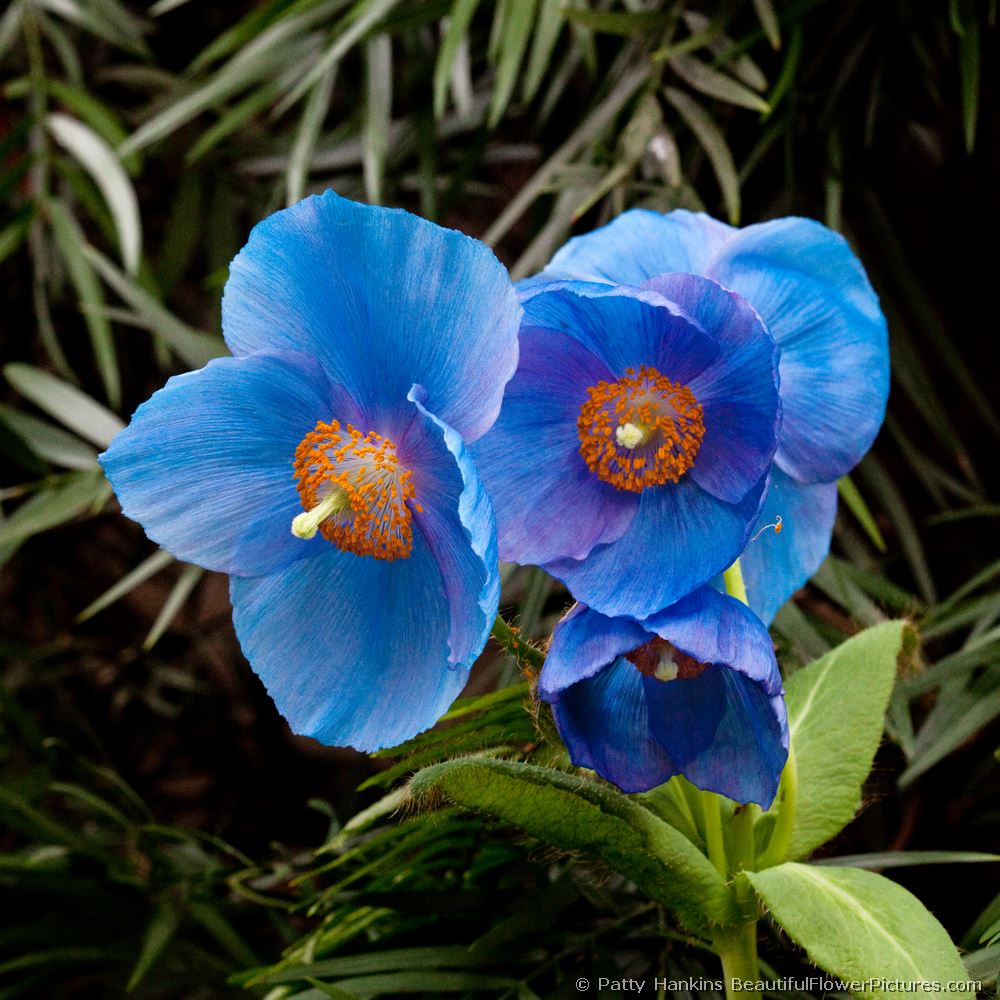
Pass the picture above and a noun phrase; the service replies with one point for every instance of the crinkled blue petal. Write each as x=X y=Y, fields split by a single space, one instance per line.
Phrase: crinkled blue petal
x=549 y=504
x=681 y=538
x=813 y=295
x=383 y=299
x=818 y=304
x=717 y=628
x=604 y=722
x=723 y=732
x=205 y=466
x=738 y=391
x=583 y=643
x=625 y=328
x=776 y=565
x=640 y=244
x=456 y=519
x=353 y=650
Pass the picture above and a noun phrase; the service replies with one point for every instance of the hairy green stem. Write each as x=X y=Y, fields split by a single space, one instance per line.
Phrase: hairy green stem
x=738 y=951
x=776 y=851
x=712 y=816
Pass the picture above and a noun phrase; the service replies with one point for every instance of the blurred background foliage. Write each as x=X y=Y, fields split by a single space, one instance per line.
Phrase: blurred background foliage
x=158 y=823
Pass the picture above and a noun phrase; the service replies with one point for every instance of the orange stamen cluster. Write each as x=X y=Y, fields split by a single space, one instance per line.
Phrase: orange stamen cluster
x=672 y=422
x=376 y=519
x=649 y=657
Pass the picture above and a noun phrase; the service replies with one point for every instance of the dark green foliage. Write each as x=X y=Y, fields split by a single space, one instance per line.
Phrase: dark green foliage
x=138 y=145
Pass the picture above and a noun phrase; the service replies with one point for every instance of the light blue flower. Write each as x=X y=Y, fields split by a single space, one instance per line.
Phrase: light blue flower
x=631 y=455
x=323 y=466
x=692 y=690
x=816 y=301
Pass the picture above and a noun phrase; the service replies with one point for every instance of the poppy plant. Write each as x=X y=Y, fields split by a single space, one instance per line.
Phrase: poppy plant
x=323 y=465
x=815 y=299
x=693 y=690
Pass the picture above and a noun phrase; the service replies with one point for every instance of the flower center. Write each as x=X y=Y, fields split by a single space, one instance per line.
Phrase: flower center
x=643 y=430
x=354 y=492
x=664 y=661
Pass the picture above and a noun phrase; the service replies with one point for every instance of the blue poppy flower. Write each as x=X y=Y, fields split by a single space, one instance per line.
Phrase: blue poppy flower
x=323 y=465
x=630 y=458
x=692 y=690
x=817 y=303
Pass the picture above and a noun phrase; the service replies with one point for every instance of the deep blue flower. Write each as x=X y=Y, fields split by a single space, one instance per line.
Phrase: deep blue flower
x=631 y=455
x=692 y=690
x=817 y=303
x=323 y=466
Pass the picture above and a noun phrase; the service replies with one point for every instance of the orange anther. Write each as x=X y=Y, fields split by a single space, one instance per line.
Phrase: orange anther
x=378 y=520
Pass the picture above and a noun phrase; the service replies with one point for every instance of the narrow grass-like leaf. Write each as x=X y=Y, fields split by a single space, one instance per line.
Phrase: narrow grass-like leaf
x=70 y=240
x=715 y=84
x=148 y=567
x=186 y=582
x=713 y=142
x=313 y=114
x=544 y=38
x=71 y=407
x=71 y=495
x=768 y=21
x=100 y=161
x=48 y=441
x=377 y=119
x=458 y=27
x=193 y=346
x=515 y=30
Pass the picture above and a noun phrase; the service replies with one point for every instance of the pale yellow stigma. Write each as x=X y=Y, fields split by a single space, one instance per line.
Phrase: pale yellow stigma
x=306 y=524
x=632 y=435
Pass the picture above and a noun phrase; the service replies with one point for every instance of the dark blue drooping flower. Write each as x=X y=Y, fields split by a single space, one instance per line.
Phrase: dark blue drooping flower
x=815 y=300
x=323 y=466
x=692 y=690
x=631 y=455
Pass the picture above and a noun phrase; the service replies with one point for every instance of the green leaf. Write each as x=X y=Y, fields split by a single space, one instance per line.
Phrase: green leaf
x=458 y=27
x=713 y=142
x=71 y=407
x=162 y=928
x=835 y=711
x=715 y=84
x=48 y=441
x=859 y=926
x=159 y=560
x=856 y=504
x=70 y=240
x=377 y=120
x=313 y=114
x=193 y=346
x=107 y=172
x=515 y=31
x=768 y=21
x=576 y=814
x=74 y=494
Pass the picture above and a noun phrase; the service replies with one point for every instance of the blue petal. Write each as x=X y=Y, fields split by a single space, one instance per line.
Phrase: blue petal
x=205 y=466
x=383 y=299
x=717 y=628
x=722 y=730
x=549 y=504
x=625 y=327
x=604 y=722
x=353 y=650
x=680 y=538
x=640 y=244
x=457 y=521
x=738 y=391
x=818 y=304
x=583 y=643
x=776 y=565
x=813 y=295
